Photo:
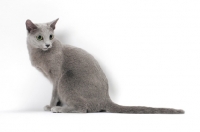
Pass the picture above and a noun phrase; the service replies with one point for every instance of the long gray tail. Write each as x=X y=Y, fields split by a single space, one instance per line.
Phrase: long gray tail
x=115 y=108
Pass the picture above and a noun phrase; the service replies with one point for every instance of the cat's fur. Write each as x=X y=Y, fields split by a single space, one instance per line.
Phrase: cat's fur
x=79 y=84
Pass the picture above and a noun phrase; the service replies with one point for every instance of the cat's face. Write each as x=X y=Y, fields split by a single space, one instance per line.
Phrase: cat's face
x=40 y=35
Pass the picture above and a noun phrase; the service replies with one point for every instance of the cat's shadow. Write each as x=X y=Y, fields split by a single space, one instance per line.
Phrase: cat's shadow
x=112 y=87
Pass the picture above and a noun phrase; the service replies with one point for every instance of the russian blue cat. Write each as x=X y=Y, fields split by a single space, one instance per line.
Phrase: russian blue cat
x=79 y=84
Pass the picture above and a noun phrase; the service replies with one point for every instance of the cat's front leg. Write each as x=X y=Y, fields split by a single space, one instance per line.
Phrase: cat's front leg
x=54 y=99
x=47 y=108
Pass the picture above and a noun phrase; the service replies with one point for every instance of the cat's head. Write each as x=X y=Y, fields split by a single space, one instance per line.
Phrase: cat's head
x=40 y=35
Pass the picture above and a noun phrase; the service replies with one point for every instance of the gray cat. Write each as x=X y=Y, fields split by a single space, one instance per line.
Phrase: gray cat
x=79 y=84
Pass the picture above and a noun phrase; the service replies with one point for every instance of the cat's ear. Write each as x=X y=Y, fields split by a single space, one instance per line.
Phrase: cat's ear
x=53 y=24
x=30 y=26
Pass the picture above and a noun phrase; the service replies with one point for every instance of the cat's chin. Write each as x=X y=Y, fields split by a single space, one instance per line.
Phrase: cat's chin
x=45 y=49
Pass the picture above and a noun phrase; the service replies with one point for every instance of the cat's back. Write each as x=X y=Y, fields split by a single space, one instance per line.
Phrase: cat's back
x=82 y=64
x=79 y=58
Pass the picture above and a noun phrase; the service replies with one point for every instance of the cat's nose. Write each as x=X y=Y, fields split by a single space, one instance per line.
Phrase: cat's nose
x=47 y=45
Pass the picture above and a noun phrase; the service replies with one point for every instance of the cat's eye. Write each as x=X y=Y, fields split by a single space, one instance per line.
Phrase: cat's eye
x=51 y=37
x=39 y=37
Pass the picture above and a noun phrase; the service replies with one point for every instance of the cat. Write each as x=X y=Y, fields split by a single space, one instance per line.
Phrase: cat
x=79 y=84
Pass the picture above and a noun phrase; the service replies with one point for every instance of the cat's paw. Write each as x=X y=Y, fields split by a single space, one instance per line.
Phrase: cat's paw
x=56 y=109
x=47 y=108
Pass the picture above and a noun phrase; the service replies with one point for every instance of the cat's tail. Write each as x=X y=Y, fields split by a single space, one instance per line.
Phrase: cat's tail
x=115 y=108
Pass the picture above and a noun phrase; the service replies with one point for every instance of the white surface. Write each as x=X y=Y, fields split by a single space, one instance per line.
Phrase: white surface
x=102 y=122
x=149 y=51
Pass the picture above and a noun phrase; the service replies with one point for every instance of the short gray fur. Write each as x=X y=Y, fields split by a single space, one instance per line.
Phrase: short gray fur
x=79 y=84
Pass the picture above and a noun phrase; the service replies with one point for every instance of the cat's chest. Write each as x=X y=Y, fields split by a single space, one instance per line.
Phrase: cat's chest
x=42 y=61
x=49 y=64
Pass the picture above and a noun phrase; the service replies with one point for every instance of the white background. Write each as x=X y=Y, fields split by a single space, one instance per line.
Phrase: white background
x=149 y=50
